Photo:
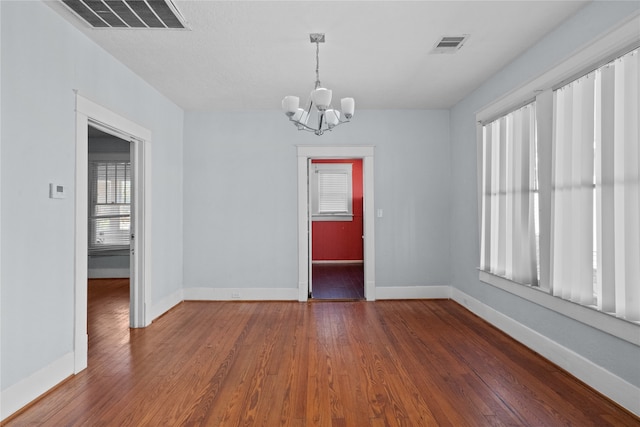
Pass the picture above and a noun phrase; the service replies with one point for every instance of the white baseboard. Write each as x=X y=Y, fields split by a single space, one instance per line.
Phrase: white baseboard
x=241 y=294
x=166 y=304
x=413 y=292
x=108 y=273
x=81 y=354
x=22 y=393
x=615 y=388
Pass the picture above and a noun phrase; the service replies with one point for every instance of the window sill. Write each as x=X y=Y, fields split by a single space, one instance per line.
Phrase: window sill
x=334 y=217
x=621 y=328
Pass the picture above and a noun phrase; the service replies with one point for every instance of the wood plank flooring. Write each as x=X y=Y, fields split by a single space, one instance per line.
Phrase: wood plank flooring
x=340 y=281
x=384 y=363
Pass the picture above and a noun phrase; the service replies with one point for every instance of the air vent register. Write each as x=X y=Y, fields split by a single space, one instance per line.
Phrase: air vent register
x=158 y=14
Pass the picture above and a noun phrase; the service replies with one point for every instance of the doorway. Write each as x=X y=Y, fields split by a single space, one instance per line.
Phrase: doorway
x=305 y=154
x=110 y=206
x=337 y=262
x=90 y=114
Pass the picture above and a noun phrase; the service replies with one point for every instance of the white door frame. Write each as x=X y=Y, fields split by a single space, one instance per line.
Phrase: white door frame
x=88 y=112
x=306 y=152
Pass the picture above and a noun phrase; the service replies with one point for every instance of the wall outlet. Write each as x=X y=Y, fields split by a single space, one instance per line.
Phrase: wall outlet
x=235 y=295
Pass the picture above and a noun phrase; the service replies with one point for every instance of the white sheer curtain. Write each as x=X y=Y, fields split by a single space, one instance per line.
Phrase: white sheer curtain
x=572 y=226
x=507 y=203
x=619 y=183
x=596 y=190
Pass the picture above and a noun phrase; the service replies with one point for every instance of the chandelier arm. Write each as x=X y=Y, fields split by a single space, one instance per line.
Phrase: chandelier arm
x=320 y=131
x=302 y=126
x=340 y=122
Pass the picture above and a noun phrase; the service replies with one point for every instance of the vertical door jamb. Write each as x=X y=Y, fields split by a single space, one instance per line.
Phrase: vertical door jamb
x=303 y=229
x=310 y=231
x=138 y=293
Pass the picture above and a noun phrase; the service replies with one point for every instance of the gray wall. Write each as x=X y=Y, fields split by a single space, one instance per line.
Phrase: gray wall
x=613 y=354
x=240 y=196
x=43 y=60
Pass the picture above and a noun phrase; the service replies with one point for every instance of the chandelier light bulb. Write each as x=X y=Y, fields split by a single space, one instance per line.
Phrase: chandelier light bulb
x=321 y=97
x=332 y=117
x=300 y=116
x=348 y=106
x=290 y=105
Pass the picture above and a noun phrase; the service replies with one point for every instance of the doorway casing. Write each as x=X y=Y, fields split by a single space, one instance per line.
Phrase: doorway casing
x=305 y=154
x=90 y=113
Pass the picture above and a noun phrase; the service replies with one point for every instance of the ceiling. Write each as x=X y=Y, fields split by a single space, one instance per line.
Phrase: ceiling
x=247 y=55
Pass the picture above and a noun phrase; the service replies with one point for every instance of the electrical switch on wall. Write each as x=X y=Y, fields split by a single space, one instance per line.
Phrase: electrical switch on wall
x=56 y=191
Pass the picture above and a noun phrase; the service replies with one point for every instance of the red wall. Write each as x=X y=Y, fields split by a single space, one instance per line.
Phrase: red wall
x=341 y=240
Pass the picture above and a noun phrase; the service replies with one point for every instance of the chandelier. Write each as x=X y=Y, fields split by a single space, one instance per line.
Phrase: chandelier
x=317 y=116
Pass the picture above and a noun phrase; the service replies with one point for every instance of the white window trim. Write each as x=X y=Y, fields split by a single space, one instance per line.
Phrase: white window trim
x=625 y=35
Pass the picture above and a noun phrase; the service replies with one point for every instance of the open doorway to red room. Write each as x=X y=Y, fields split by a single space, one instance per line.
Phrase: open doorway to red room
x=337 y=270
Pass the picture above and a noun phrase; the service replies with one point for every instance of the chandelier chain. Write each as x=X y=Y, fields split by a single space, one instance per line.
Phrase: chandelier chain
x=317 y=65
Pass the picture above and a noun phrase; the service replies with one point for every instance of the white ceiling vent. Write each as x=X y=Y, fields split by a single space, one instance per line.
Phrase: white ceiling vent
x=449 y=44
x=128 y=13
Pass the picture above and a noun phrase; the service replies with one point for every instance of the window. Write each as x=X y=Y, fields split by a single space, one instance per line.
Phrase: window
x=560 y=191
x=109 y=205
x=508 y=230
x=331 y=192
x=596 y=189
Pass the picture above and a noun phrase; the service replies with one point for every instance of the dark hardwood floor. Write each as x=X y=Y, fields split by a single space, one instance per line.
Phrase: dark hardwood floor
x=340 y=281
x=383 y=363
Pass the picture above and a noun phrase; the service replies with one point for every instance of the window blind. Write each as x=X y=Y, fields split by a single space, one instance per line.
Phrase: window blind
x=333 y=192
